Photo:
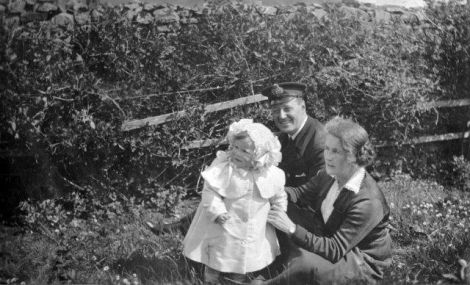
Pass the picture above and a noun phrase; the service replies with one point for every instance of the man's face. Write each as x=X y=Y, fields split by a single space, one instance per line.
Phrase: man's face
x=288 y=115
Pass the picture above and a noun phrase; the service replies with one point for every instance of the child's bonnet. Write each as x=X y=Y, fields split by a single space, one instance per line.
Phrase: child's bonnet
x=231 y=182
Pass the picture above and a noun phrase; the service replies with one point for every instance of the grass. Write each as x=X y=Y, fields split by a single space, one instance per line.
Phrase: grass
x=431 y=231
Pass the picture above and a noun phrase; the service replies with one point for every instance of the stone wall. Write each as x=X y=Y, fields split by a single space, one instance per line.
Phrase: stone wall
x=67 y=13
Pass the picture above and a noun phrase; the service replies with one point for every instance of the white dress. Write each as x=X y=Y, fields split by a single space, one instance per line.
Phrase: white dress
x=246 y=242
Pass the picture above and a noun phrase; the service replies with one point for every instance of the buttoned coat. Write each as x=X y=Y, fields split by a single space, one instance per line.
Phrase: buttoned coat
x=246 y=242
x=303 y=158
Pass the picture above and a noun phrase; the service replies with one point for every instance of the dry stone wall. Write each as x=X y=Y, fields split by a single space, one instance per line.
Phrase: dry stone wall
x=68 y=13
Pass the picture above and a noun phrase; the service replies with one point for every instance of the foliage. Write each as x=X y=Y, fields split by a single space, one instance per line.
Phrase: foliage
x=450 y=173
x=461 y=171
x=68 y=92
x=108 y=242
x=85 y=238
x=431 y=229
x=448 y=47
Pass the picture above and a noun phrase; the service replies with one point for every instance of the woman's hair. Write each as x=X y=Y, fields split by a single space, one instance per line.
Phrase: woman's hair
x=354 y=139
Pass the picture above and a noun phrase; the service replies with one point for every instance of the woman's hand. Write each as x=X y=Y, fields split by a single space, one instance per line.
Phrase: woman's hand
x=281 y=221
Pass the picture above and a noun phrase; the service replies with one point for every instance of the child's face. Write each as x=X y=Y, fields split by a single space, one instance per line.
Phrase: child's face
x=243 y=152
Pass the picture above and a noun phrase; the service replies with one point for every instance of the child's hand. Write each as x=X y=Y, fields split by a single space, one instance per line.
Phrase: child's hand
x=221 y=219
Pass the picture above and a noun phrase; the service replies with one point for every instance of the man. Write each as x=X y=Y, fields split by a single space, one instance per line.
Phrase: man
x=302 y=141
x=302 y=137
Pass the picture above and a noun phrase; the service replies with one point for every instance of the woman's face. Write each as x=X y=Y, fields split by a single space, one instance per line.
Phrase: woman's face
x=242 y=153
x=336 y=158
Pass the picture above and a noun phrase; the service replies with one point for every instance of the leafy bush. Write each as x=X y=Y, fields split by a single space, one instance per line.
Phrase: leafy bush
x=447 y=36
x=86 y=237
x=68 y=92
x=461 y=173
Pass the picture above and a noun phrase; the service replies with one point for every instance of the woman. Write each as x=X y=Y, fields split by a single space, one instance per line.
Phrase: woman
x=338 y=225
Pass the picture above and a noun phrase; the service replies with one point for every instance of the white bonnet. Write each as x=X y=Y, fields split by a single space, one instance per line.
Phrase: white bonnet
x=267 y=145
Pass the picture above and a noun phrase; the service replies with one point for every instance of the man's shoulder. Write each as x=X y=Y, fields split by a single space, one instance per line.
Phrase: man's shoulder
x=313 y=134
x=313 y=124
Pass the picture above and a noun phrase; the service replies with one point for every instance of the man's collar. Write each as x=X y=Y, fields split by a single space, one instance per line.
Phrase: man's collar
x=300 y=129
x=354 y=183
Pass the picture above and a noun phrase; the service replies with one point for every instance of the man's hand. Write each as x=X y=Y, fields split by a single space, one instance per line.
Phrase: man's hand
x=281 y=221
x=221 y=219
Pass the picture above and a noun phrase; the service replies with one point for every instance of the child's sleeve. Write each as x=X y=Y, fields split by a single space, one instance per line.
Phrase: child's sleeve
x=212 y=202
x=279 y=199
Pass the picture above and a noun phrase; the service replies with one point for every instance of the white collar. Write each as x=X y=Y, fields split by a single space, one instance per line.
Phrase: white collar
x=298 y=131
x=354 y=183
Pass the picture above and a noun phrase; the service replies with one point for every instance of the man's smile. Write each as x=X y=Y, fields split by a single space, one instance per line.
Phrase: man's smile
x=285 y=122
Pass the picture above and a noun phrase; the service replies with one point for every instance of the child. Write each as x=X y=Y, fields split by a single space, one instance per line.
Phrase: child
x=229 y=233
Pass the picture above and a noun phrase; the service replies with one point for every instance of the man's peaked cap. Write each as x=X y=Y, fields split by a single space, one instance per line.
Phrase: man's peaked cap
x=284 y=90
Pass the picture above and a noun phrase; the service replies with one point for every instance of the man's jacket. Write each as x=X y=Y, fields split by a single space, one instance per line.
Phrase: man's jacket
x=303 y=157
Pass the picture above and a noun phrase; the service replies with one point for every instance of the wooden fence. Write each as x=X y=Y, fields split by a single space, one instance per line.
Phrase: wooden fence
x=157 y=120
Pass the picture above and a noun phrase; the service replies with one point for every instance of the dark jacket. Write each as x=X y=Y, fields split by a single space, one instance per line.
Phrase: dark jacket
x=303 y=158
x=358 y=220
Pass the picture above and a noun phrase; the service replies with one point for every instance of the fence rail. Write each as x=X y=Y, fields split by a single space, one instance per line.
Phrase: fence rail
x=445 y=104
x=428 y=139
x=418 y=140
x=157 y=120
